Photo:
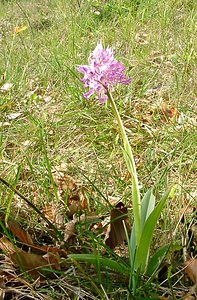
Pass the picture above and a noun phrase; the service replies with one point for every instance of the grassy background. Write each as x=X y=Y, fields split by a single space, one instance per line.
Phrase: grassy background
x=156 y=40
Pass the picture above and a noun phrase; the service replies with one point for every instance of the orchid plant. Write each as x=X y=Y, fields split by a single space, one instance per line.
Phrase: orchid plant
x=101 y=76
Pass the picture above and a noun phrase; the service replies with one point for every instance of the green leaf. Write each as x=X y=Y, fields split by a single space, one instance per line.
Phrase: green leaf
x=148 y=205
x=106 y=262
x=132 y=242
x=156 y=260
x=147 y=234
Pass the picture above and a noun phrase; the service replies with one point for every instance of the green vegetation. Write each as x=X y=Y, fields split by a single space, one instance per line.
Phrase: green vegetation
x=48 y=129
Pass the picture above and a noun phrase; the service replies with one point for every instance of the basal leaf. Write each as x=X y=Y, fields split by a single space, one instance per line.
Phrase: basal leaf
x=106 y=262
x=147 y=233
x=156 y=260
x=148 y=205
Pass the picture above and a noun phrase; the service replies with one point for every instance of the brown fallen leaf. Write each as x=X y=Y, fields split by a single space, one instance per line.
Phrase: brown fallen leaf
x=6 y=246
x=49 y=211
x=48 y=249
x=63 y=181
x=33 y=263
x=168 y=113
x=83 y=199
x=25 y=237
x=84 y=220
x=53 y=260
x=30 y=262
x=69 y=230
x=117 y=230
x=76 y=202
x=191 y=269
x=67 y=188
x=54 y=214
x=20 y=233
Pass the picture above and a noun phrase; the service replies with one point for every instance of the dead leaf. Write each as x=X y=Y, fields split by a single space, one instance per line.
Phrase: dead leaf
x=181 y=118
x=127 y=176
x=83 y=219
x=48 y=249
x=30 y=262
x=19 y=29
x=25 y=237
x=117 y=231
x=141 y=38
x=49 y=211
x=69 y=230
x=21 y=234
x=113 y=200
x=73 y=205
x=83 y=199
x=6 y=246
x=4 y=124
x=54 y=213
x=6 y=87
x=47 y=98
x=191 y=269
x=27 y=143
x=33 y=263
x=63 y=181
x=14 y=116
x=68 y=189
x=53 y=260
x=168 y=113
x=76 y=202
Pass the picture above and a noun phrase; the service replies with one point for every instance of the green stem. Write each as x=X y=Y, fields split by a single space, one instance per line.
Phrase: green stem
x=129 y=158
